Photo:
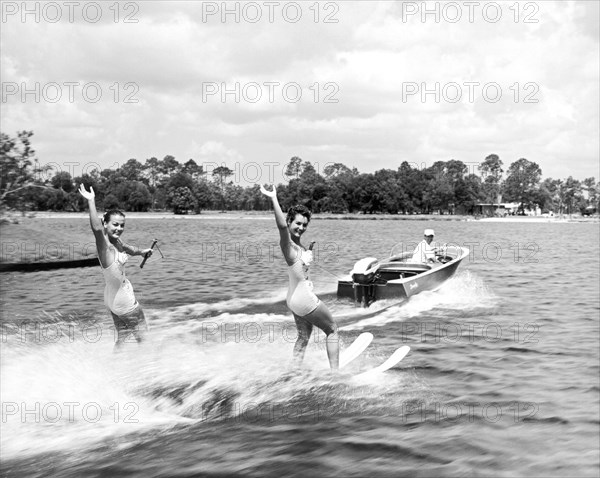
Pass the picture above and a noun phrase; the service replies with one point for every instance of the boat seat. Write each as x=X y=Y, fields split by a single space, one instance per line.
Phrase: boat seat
x=404 y=267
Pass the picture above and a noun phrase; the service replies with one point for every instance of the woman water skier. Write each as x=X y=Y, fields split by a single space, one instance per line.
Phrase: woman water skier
x=126 y=312
x=308 y=310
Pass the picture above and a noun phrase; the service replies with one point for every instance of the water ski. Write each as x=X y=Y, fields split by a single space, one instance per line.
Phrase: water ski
x=396 y=357
x=356 y=348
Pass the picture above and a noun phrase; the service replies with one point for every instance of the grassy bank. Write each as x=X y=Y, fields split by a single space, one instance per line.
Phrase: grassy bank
x=249 y=215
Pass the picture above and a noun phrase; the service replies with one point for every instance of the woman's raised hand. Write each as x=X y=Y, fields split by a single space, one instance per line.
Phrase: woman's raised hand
x=271 y=194
x=88 y=195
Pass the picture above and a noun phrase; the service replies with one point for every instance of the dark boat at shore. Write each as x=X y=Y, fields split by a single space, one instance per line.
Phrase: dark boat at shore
x=397 y=278
x=46 y=266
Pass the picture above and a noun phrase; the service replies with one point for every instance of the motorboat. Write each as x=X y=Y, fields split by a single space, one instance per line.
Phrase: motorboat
x=397 y=277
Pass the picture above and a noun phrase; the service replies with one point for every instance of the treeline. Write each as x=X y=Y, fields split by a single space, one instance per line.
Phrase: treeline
x=445 y=187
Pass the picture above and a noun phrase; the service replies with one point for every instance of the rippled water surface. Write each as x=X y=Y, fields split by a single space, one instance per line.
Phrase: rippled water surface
x=502 y=378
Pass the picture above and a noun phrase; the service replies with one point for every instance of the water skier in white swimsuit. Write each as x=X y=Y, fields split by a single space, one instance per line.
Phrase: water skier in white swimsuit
x=308 y=310
x=113 y=253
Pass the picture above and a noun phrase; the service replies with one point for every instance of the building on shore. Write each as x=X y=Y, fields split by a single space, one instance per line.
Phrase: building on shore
x=504 y=209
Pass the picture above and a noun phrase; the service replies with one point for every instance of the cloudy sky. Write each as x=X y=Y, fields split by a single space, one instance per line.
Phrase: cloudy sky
x=250 y=84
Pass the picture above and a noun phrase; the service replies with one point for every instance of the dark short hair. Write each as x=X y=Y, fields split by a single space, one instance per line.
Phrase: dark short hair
x=298 y=209
x=112 y=212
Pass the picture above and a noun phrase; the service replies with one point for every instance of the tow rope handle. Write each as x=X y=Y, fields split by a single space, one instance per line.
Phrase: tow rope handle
x=147 y=254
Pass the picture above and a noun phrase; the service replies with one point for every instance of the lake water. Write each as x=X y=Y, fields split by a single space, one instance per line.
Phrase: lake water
x=502 y=378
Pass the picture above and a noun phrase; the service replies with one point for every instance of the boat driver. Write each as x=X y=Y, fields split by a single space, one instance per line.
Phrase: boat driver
x=424 y=253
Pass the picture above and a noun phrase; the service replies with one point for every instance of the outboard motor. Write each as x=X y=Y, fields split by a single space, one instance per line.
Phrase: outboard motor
x=365 y=270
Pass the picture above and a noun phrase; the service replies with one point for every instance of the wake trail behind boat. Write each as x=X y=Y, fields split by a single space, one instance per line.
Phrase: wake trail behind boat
x=204 y=361
x=461 y=293
x=164 y=384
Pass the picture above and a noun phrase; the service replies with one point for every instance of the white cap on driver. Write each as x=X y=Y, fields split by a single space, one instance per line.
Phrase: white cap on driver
x=428 y=232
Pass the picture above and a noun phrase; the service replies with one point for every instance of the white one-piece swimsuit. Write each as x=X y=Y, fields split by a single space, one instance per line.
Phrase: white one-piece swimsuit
x=301 y=299
x=118 y=293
